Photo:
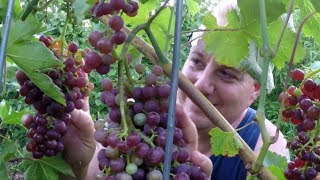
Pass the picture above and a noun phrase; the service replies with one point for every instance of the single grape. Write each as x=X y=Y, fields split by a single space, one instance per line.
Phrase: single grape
x=297 y=75
x=94 y=37
x=105 y=45
x=116 y=22
x=131 y=168
x=73 y=47
x=118 y=37
x=139 y=119
x=155 y=175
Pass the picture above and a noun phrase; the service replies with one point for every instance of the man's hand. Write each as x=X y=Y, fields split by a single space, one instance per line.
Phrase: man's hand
x=191 y=137
x=79 y=142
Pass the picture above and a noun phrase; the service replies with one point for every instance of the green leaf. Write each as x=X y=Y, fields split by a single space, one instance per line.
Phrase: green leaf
x=3 y=170
x=80 y=7
x=275 y=159
x=209 y=21
x=235 y=42
x=312 y=26
x=285 y=49
x=316 y=4
x=160 y=26
x=143 y=14
x=11 y=73
x=9 y=116
x=277 y=172
x=249 y=11
x=4 y=6
x=193 y=7
x=8 y=149
x=224 y=143
x=47 y=168
x=23 y=31
x=34 y=57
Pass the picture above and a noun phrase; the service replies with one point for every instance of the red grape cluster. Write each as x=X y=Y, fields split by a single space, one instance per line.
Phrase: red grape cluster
x=302 y=109
x=106 y=41
x=138 y=153
x=47 y=127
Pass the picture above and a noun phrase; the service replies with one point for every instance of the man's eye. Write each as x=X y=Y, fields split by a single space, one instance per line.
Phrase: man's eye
x=196 y=62
x=226 y=75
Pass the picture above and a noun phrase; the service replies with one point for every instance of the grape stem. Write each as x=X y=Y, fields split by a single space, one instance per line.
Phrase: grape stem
x=310 y=74
x=145 y=138
x=267 y=53
x=29 y=9
x=64 y=30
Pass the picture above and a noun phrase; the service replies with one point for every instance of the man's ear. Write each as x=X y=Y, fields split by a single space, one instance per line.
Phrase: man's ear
x=256 y=90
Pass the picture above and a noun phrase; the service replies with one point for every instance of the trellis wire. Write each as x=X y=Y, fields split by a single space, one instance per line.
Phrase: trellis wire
x=173 y=91
x=5 y=39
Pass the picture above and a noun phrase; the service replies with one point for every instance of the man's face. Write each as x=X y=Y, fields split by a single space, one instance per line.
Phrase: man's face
x=228 y=89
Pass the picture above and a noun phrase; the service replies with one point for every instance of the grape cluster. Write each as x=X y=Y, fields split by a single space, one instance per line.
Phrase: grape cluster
x=47 y=127
x=135 y=144
x=105 y=42
x=302 y=110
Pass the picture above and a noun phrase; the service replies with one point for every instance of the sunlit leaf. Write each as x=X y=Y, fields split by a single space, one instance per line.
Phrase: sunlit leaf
x=23 y=54
x=192 y=6
x=224 y=143
x=236 y=44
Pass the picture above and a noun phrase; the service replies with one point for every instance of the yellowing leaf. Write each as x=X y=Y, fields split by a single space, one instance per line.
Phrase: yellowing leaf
x=224 y=143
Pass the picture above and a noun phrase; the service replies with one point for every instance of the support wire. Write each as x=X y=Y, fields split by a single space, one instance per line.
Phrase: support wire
x=173 y=91
x=5 y=40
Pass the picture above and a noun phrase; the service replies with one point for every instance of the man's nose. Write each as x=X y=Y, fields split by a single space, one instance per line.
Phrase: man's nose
x=205 y=83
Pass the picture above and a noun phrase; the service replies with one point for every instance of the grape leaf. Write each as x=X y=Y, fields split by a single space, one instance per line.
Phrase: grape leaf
x=11 y=73
x=224 y=143
x=277 y=172
x=249 y=11
x=23 y=31
x=209 y=21
x=235 y=42
x=9 y=116
x=275 y=159
x=285 y=49
x=193 y=7
x=23 y=54
x=47 y=168
x=7 y=148
x=312 y=26
x=160 y=26
x=143 y=14
x=3 y=170
x=316 y=5
x=4 y=7
x=80 y=7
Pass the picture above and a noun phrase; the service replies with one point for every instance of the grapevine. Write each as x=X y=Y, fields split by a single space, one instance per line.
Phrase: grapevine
x=302 y=110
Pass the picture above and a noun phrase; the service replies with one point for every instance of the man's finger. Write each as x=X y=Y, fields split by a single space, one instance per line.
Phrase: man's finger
x=188 y=127
x=82 y=121
x=203 y=161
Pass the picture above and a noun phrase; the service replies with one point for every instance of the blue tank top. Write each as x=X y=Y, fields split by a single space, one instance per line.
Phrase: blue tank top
x=232 y=168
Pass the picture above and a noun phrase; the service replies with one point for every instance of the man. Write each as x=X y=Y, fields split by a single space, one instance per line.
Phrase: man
x=231 y=91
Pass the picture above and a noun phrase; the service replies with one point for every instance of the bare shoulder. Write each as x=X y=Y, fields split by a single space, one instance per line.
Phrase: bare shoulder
x=279 y=146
